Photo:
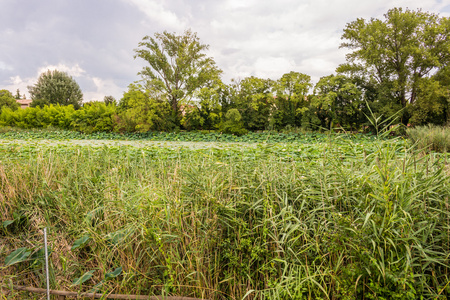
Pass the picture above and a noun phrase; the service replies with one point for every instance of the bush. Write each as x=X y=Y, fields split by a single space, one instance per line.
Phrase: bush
x=36 y=117
x=233 y=123
x=94 y=117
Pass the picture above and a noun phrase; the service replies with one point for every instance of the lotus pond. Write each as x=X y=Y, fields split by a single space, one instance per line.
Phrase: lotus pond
x=263 y=216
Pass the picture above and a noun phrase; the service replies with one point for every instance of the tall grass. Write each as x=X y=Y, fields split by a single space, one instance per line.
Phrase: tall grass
x=349 y=225
x=430 y=137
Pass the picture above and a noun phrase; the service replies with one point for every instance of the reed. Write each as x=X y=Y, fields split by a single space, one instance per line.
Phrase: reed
x=350 y=224
x=430 y=137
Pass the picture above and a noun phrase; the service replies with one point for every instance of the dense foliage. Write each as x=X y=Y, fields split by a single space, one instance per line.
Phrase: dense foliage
x=267 y=137
x=56 y=87
x=8 y=100
x=326 y=217
x=398 y=57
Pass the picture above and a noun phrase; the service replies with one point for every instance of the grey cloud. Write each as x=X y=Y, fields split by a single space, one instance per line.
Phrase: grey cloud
x=262 y=38
x=228 y=51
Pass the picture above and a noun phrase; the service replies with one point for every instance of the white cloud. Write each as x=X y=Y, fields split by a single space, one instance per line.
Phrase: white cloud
x=156 y=11
x=272 y=67
x=104 y=87
x=16 y=82
x=74 y=70
x=237 y=4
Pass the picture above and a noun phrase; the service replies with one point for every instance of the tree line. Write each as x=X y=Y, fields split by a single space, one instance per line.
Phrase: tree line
x=397 y=69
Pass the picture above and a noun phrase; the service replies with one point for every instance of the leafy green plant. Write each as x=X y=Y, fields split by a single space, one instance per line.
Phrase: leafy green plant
x=17 y=256
x=233 y=123
x=94 y=117
x=80 y=242
x=83 y=278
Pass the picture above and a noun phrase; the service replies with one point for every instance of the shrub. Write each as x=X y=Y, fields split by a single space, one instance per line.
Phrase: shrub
x=233 y=123
x=36 y=117
x=94 y=117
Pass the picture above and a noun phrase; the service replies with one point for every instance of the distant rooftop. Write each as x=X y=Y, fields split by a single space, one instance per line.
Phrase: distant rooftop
x=24 y=103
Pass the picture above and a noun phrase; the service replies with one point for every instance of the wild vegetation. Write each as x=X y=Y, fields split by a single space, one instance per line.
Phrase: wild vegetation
x=323 y=217
x=430 y=138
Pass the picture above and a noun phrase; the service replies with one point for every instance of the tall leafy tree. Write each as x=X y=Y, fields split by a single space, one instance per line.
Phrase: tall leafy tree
x=56 y=87
x=397 y=52
x=290 y=102
x=338 y=100
x=178 y=66
x=253 y=97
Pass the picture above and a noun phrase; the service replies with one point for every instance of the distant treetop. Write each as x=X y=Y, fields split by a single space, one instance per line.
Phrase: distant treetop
x=56 y=87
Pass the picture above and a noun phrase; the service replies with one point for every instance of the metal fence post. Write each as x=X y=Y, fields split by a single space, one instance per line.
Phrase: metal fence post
x=46 y=263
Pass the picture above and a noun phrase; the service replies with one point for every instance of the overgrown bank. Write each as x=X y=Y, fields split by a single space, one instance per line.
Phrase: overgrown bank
x=345 y=220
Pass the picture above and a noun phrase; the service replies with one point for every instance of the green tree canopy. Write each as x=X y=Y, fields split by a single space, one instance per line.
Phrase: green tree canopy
x=178 y=66
x=141 y=111
x=398 y=51
x=56 y=87
x=253 y=97
x=8 y=100
x=432 y=105
x=337 y=99
x=290 y=101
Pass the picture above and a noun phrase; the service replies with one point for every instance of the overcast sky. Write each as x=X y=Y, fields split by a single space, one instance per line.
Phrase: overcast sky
x=93 y=40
